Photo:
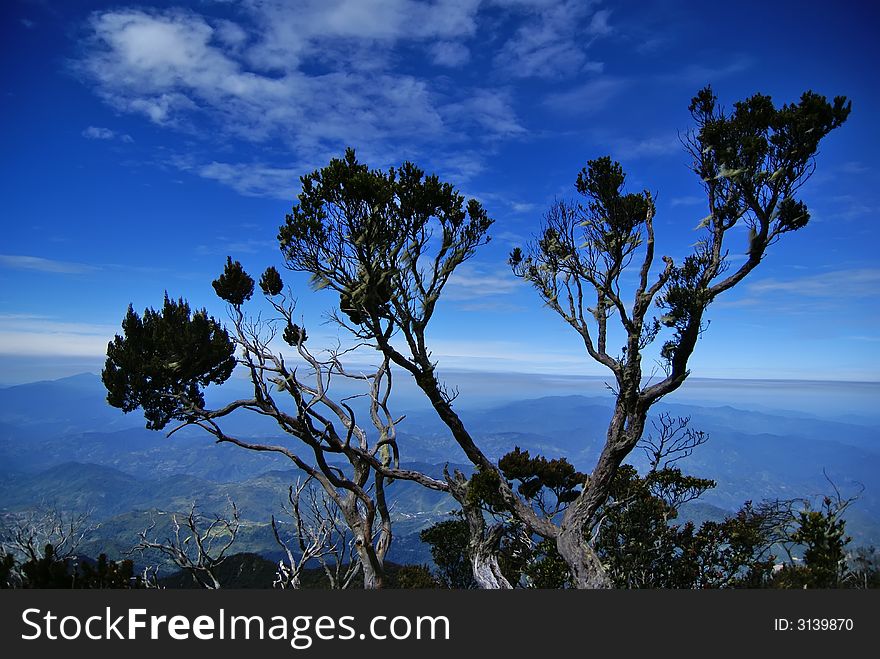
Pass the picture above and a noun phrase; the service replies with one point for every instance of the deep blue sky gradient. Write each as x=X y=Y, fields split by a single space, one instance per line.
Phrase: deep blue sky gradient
x=143 y=143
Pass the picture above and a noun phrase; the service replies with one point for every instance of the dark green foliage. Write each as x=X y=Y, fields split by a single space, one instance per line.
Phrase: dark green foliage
x=294 y=335
x=50 y=571
x=864 y=568
x=162 y=362
x=105 y=573
x=684 y=298
x=412 y=576
x=271 y=283
x=758 y=144
x=252 y=571
x=8 y=576
x=449 y=540
x=47 y=571
x=614 y=218
x=557 y=475
x=546 y=568
x=638 y=541
x=361 y=232
x=483 y=490
x=234 y=285
x=822 y=533
x=644 y=549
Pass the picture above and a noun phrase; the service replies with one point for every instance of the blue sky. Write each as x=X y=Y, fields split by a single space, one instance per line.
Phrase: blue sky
x=143 y=143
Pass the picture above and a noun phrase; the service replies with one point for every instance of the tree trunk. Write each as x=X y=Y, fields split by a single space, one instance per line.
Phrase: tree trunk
x=483 y=543
x=373 y=573
x=483 y=549
x=624 y=431
x=587 y=570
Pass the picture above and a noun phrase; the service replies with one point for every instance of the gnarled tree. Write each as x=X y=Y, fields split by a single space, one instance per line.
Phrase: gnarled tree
x=165 y=359
x=752 y=162
x=387 y=244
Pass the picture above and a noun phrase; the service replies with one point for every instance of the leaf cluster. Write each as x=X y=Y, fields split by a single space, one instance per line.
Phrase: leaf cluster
x=164 y=360
x=536 y=473
x=385 y=241
x=234 y=285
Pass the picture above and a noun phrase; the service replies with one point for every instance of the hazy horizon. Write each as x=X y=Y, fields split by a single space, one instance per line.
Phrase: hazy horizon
x=829 y=399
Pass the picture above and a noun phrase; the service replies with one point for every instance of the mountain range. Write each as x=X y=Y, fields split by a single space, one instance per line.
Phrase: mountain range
x=61 y=444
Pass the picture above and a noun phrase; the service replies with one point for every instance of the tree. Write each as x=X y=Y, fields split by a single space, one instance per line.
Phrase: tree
x=387 y=244
x=752 y=162
x=864 y=568
x=822 y=536
x=639 y=540
x=320 y=535
x=448 y=541
x=164 y=360
x=26 y=537
x=197 y=544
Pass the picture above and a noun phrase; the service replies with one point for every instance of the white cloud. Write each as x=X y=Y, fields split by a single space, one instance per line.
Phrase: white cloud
x=291 y=32
x=99 y=133
x=312 y=77
x=39 y=264
x=553 y=41
x=460 y=166
x=96 y=133
x=449 y=53
x=854 y=167
x=180 y=69
x=227 y=246
x=472 y=281
x=599 y=23
x=252 y=180
x=510 y=357
x=229 y=34
x=489 y=110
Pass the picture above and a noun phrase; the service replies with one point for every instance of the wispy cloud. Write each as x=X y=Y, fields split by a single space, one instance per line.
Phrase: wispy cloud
x=477 y=282
x=252 y=80
x=653 y=44
x=688 y=200
x=862 y=337
x=702 y=74
x=853 y=283
x=589 y=97
x=40 y=264
x=44 y=336
x=510 y=237
x=98 y=133
x=554 y=41
x=252 y=179
x=449 y=53
x=850 y=207
x=511 y=356
x=854 y=167
x=227 y=246
x=649 y=147
x=488 y=110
